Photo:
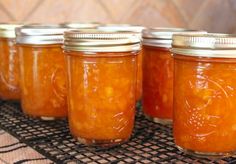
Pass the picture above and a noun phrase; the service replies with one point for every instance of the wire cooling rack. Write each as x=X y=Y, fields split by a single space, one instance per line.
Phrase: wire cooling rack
x=150 y=142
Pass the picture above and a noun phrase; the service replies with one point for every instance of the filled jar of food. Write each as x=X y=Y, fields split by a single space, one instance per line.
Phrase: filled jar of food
x=9 y=63
x=158 y=66
x=205 y=94
x=101 y=68
x=138 y=31
x=42 y=68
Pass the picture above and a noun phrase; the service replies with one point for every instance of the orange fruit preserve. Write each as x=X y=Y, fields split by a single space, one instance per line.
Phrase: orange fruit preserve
x=101 y=96
x=205 y=106
x=43 y=80
x=204 y=122
x=139 y=76
x=157 y=82
x=9 y=70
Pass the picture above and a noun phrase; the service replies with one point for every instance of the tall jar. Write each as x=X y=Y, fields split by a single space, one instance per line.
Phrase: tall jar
x=101 y=69
x=158 y=66
x=138 y=31
x=205 y=94
x=9 y=65
x=42 y=68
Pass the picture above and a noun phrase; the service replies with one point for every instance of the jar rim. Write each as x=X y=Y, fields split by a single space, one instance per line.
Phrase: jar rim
x=101 y=41
x=40 y=34
x=7 y=30
x=205 y=45
x=162 y=36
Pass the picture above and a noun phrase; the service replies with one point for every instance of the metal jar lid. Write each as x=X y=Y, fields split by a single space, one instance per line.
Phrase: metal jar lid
x=80 y=25
x=162 y=37
x=100 y=41
x=8 y=30
x=40 y=34
x=120 y=27
x=205 y=45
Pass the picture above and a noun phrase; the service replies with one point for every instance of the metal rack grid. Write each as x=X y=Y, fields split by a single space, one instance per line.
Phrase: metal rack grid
x=150 y=142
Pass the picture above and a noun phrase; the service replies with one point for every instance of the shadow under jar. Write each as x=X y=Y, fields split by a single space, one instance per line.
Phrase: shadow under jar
x=204 y=94
x=9 y=65
x=101 y=69
x=158 y=67
x=42 y=68
x=138 y=31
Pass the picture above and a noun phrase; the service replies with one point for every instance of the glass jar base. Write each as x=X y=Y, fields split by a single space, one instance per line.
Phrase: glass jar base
x=101 y=143
x=45 y=118
x=159 y=120
x=209 y=155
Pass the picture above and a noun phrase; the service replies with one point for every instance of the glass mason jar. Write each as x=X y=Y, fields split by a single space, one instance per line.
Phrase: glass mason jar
x=101 y=68
x=204 y=94
x=158 y=69
x=9 y=65
x=138 y=31
x=42 y=68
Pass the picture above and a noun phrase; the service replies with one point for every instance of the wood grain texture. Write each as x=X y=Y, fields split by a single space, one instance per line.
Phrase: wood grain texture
x=211 y=15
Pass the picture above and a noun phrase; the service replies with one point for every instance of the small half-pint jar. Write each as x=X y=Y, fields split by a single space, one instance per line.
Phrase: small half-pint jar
x=204 y=94
x=42 y=69
x=138 y=30
x=101 y=69
x=9 y=63
x=158 y=67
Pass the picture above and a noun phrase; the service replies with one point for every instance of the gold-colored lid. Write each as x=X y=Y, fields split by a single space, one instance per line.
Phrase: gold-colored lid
x=40 y=34
x=205 y=45
x=100 y=41
x=162 y=36
x=8 y=30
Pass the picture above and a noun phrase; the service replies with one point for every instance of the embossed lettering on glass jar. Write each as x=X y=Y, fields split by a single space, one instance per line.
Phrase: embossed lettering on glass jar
x=42 y=68
x=158 y=73
x=138 y=31
x=101 y=68
x=9 y=65
x=205 y=94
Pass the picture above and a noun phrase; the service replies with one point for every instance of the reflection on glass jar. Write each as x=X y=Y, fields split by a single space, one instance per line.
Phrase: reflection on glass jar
x=158 y=73
x=42 y=66
x=101 y=86
x=204 y=94
x=9 y=65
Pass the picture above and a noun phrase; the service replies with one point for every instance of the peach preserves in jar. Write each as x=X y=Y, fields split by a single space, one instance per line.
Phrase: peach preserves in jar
x=101 y=68
x=158 y=73
x=42 y=67
x=9 y=65
x=204 y=94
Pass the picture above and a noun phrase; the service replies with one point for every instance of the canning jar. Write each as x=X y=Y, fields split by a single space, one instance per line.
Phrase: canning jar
x=158 y=73
x=204 y=94
x=101 y=68
x=42 y=68
x=9 y=65
x=138 y=30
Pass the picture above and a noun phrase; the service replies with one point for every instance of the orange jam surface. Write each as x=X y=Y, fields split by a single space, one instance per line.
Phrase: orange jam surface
x=205 y=104
x=43 y=80
x=157 y=82
x=101 y=95
x=9 y=70
x=139 y=76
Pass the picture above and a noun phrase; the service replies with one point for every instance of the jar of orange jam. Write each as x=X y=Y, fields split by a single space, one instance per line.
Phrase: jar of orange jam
x=101 y=69
x=42 y=68
x=205 y=94
x=9 y=65
x=158 y=67
x=138 y=31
